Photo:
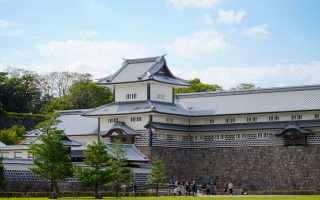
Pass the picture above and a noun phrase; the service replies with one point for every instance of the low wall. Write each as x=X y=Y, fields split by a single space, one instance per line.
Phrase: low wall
x=249 y=168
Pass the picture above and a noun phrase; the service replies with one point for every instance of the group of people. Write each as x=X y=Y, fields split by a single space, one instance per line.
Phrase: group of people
x=228 y=187
x=191 y=188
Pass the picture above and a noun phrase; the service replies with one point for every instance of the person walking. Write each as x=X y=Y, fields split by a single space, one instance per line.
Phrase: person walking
x=194 y=188
x=230 y=187
x=225 y=187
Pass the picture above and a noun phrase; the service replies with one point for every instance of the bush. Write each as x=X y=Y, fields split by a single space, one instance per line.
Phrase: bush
x=284 y=192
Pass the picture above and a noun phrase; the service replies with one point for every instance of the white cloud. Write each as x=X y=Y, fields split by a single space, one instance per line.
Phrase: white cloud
x=264 y=76
x=258 y=32
x=96 y=57
x=3 y=23
x=207 y=19
x=230 y=16
x=201 y=42
x=86 y=34
x=193 y=3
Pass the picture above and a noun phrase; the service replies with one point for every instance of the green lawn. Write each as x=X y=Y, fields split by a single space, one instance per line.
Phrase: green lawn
x=293 y=197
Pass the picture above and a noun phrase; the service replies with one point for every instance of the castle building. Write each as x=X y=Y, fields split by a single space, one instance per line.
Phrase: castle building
x=258 y=139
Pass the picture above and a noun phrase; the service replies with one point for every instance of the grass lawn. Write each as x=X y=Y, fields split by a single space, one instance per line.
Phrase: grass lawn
x=293 y=197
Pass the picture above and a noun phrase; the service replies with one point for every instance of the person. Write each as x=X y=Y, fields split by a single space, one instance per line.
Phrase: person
x=204 y=189
x=225 y=187
x=194 y=188
x=135 y=189
x=188 y=189
x=230 y=186
x=214 y=189
x=177 y=191
x=183 y=188
x=208 y=189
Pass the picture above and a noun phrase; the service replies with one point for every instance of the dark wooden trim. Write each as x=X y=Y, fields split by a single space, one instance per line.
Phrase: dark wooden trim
x=98 y=128
x=148 y=91
x=113 y=93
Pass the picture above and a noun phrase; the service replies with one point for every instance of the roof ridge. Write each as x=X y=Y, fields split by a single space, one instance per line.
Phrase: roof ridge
x=146 y=59
x=254 y=91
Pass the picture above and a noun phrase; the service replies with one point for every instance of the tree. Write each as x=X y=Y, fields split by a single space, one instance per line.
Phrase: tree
x=56 y=84
x=20 y=91
x=198 y=86
x=158 y=173
x=51 y=161
x=86 y=94
x=99 y=169
x=12 y=135
x=245 y=86
x=121 y=171
x=2 y=178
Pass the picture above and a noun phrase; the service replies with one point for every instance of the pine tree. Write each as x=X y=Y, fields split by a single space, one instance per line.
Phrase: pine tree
x=121 y=171
x=99 y=169
x=51 y=160
x=158 y=173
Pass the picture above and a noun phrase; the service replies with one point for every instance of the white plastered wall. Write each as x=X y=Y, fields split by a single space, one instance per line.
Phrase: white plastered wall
x=140 y=89
x=106 y=125
x=84 y=140
x=260 y=117
x=162 y=89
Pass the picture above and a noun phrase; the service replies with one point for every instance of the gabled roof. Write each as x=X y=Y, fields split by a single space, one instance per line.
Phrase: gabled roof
x=296 y=127
x=135 y=107
x=278 y=125
x=269 y=100
x=143 y=69
x=121 y=127
x=132 y=153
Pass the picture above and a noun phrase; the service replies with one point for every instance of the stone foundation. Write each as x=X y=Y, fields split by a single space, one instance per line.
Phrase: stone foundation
x=249 y=168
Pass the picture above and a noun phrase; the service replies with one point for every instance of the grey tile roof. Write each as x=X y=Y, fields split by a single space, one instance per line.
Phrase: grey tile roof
x=142 y=69
x=2 y=144
x=73 y=123
x=119 y=108
x=132 y=153
x=122 y=127
x=294 y=126
x=268 y=100
x=279 y=125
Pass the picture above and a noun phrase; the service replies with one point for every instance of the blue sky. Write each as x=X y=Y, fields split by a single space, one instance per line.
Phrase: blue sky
x=268 y=43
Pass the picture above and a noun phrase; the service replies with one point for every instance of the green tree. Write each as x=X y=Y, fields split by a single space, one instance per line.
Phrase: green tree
x=12 y=135
x=122 y=174
x=158 y=173
x=86 y=94
x=99 y=170
x=20 y=91
x=198 y=86
x=51 y=160
x=245 y=86
x=2 y=178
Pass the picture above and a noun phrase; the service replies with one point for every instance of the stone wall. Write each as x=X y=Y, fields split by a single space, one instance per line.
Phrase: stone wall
x=250 y=168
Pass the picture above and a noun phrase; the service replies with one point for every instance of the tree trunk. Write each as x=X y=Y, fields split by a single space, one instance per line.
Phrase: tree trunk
x=117 y=191
x=96 y=192
x=157 y=189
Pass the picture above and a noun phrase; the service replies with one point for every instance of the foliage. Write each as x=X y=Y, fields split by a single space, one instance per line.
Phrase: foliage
x=51 y=160
x=245 y=86
x=56 y=84
x=158 y=173
x=99 y=170
x=19 y=91
x=1 y=172
x=86 y=94
x=13 y=135
x=121 y=171
x=81 y=94
x=198 y=86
